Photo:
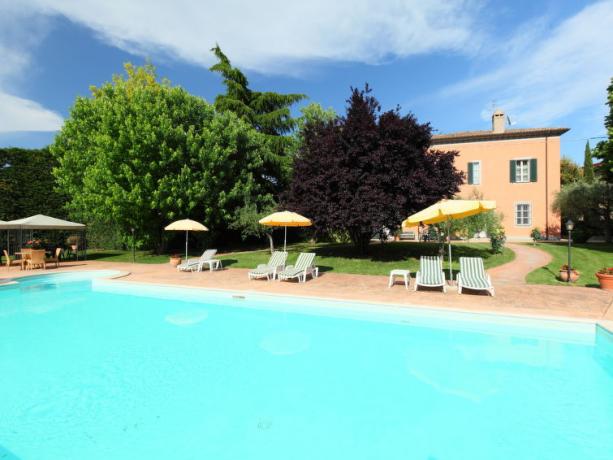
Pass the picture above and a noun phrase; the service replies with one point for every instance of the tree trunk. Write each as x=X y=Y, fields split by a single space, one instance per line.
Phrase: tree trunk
x=604 y=213
x=363 y=239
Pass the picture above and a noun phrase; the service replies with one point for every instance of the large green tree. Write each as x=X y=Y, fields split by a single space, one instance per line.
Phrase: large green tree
x=140 y=152
x=570 y=172
x=27 y=185
x=310 y=114
x=590 y=203
x=590 y=206
x=268 y=112
x=604 y=150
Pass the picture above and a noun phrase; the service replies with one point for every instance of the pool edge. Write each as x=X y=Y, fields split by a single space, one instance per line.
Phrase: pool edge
x=399 y=306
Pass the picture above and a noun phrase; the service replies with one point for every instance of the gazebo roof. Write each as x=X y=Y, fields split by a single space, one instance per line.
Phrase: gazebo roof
x=40 y=222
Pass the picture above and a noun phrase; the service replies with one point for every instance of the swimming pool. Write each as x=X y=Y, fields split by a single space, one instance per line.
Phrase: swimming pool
x=109 y=369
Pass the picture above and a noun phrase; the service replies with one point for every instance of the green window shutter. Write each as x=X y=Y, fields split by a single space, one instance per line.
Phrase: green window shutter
x=512 y=169
x=533 y=171
x=470 y=172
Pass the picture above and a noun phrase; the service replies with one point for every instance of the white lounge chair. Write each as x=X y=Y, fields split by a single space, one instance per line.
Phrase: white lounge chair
x=191 y=265
x=304 y=266
x=473 y=276
x=430 y=273
x=275 y=264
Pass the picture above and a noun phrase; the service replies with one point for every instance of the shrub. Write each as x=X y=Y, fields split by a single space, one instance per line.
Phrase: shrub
x=497 y=239
x=582 y=233
x=536 y=235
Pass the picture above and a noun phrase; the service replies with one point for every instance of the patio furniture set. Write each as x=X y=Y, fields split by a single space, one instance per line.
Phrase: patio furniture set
x=28 y=259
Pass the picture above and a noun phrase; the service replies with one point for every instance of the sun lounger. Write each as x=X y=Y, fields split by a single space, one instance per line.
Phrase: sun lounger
x=275 y=264
x=196 y=264
x=430 y=273
x=473 y=276
x=304 y=266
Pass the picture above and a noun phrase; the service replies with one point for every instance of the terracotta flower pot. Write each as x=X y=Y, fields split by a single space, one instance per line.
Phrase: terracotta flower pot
x=574 y=275
x=606 y=281
x=174 y=261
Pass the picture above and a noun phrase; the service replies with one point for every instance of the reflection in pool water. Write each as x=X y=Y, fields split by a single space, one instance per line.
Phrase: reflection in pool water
x=141 y=373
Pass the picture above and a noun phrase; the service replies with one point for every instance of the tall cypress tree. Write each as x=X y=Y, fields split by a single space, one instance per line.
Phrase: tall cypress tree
x=588 y=166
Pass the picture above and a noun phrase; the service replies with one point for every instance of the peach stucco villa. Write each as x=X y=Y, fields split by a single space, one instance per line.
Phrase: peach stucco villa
x=519 y=168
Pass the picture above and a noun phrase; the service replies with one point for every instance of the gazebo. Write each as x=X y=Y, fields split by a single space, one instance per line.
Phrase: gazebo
x=40 y=222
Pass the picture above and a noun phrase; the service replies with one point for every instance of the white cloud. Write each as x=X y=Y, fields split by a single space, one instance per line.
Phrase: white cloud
x=276 y=35
x=20 y=31
x=19 y=114
x=552 y=75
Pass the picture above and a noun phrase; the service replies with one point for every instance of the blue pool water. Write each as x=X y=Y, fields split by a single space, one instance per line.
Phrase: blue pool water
x=112 y=370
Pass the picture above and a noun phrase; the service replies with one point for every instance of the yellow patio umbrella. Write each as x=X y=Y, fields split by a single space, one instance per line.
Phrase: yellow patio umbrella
x=445 y=210
x=285 y=219
x=186 y=225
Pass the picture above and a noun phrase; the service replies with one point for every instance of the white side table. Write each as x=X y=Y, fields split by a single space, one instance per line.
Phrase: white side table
x=406 y=274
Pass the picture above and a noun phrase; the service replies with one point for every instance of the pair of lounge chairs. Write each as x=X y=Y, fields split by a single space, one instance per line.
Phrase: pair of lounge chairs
x=206 y=259
x=275 y=268
x=472 y=274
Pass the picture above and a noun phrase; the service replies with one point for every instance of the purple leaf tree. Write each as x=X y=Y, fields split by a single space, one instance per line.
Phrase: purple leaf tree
x=368 y=171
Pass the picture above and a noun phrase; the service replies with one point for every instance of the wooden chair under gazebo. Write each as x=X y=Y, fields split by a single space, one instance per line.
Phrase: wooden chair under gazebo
x=39 y=222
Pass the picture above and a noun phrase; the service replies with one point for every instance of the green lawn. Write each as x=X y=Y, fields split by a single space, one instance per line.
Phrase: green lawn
x=340 y=258
x=587 y=258
x=112 y=255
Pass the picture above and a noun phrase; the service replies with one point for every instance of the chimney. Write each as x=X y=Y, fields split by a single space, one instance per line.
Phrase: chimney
x=498 y=121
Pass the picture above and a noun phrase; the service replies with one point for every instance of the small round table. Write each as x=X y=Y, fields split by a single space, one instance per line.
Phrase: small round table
x=406 y=274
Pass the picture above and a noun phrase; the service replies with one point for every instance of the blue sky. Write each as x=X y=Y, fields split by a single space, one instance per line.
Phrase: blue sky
x=547 y=63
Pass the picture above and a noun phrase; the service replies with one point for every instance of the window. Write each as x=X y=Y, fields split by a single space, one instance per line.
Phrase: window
x=523 y=214
x=522 y=171
x=474 y=172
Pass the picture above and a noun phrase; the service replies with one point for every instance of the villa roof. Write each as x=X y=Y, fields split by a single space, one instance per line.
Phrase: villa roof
x=40 y=222
x=480 y=136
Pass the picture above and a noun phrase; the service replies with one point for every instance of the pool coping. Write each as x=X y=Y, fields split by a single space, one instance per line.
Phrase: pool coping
x=122 y=275
x=399 y=306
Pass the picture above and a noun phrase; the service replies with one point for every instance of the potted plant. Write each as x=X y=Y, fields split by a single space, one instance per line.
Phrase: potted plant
x=33 y=244
x=605 y=278
x=574 y=274
x=175 y=259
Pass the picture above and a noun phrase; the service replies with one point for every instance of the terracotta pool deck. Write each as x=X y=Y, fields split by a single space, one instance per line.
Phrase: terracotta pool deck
x=513 y=296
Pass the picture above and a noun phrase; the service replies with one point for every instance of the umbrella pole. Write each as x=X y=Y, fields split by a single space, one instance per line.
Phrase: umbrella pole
x=186 y=234
x=285 y=239
x=449 y=240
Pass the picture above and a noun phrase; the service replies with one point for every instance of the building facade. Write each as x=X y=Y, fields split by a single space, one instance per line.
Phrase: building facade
x=518 y=168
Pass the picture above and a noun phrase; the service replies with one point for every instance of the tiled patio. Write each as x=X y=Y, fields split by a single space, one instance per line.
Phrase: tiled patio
x=512 y=296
